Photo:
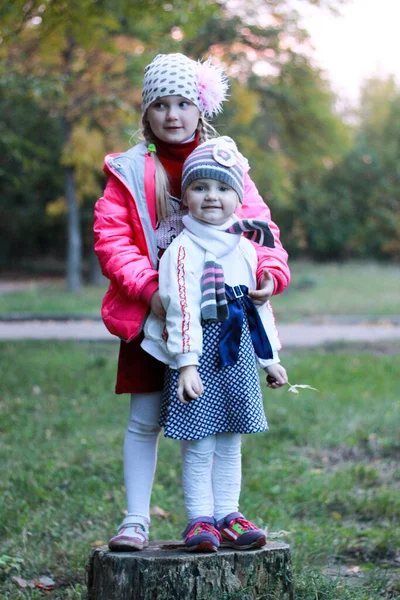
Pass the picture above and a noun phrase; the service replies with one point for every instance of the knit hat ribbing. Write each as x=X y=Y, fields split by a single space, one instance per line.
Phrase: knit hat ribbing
x=217 y=159
x=202 y=83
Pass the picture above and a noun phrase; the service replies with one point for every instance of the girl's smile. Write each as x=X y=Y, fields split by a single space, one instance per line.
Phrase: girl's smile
x=173 y=119
x=211 y=201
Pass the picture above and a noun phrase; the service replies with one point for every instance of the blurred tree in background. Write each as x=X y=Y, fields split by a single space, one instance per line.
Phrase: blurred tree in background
x=70 y=91
x=81 y=61
x=362 y=189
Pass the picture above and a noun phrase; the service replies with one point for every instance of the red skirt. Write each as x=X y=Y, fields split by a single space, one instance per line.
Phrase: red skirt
x=138 y=372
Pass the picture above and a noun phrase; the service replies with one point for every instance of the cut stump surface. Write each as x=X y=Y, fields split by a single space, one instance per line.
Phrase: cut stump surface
x=164 y=571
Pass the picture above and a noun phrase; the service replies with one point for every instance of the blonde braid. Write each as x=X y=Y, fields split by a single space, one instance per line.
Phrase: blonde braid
x=206 y=130
x=162 y=181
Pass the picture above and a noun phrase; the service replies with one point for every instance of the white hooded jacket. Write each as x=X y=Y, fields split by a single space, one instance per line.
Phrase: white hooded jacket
x=178 y=341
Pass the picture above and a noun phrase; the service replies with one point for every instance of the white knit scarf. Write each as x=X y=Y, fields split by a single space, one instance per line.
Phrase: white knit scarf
x=216 y=242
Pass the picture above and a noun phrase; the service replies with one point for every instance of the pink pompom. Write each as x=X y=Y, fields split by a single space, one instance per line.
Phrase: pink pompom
x=212 y=87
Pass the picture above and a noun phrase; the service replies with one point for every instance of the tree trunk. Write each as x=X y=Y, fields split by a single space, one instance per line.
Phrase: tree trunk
x=74 y=244
x=74 y=249
x=96 y=277
x=164 y=571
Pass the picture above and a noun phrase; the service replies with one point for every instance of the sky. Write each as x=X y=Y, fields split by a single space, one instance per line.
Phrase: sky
x=363 y=42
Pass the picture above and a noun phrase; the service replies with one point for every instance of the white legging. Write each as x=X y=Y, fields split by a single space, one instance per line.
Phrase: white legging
x=140 y=452
x=211 y=475
x=211 y=471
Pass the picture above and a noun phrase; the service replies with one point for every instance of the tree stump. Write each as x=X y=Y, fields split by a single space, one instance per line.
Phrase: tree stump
x=164 y=571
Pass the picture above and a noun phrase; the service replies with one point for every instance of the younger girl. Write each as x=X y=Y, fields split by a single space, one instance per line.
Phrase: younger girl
x=210 y=340
x=135 y=221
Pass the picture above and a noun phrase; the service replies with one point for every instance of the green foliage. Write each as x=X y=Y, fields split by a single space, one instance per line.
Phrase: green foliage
x=311 y=132
x=364 y=187
x=292 y=137
x=332 y=188
x=78 y=63
x=30 y=172
x=376 y=97
x=314 y=139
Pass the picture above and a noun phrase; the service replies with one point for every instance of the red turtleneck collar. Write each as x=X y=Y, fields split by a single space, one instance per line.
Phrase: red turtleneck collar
x=172 y=157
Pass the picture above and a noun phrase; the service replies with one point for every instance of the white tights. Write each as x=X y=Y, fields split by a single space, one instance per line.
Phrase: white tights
x=211 y=471
x=140 y=452
x=211 y=475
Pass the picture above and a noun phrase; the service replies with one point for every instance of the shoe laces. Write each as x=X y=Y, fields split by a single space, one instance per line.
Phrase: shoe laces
x=243 y=523
x=204 y=527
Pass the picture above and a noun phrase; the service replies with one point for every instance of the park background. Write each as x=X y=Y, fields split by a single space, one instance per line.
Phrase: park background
x=325 y=478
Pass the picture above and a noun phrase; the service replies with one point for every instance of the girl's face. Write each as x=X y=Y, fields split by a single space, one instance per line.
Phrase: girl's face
x=173 y=119
x=211 y=201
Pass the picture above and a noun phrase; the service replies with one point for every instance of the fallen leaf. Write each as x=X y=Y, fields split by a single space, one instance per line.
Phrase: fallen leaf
x=337 y=516
x=98 y=543
x=156 y=511
x=354 y=569
x=23 y=583
x=394 y=586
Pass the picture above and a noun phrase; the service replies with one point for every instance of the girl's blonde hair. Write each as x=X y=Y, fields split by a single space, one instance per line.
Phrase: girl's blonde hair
x=206 y=132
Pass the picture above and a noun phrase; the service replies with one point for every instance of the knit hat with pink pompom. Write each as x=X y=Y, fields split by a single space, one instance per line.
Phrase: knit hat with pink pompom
x=202 y=83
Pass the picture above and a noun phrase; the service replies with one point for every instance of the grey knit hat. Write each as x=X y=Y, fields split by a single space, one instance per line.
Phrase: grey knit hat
x=217 y=159
x=202 y=83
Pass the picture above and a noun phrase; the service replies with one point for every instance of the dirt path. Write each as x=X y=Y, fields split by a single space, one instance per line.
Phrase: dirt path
x=292 y=335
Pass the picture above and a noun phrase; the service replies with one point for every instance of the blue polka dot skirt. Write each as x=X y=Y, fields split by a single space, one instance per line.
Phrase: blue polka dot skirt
x=231 y=401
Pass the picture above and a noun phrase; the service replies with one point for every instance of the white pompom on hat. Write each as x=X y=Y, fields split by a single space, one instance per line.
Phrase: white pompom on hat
x=202 y=83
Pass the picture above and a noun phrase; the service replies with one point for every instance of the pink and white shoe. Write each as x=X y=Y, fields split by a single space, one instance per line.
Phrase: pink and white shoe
x=133 y=534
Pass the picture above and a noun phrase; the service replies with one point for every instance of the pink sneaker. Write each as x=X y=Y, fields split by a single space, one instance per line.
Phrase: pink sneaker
x=239 y=533
x=133 y=534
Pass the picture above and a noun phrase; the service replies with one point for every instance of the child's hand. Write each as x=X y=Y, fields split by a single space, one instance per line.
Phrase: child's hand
x=276 y=376
x=190 y=385
x=156 y=306
x=266 y=290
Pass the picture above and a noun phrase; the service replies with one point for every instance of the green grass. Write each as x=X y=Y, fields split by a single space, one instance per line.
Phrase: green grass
x=327 y=471
x=52 y=298
x=361 y=289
